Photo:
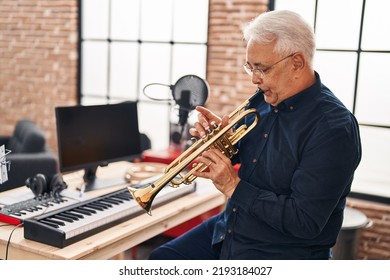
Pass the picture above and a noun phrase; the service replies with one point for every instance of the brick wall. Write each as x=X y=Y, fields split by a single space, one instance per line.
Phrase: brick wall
x=375 y=240
x=229 y=83
x=38 y=62
x=38 y=71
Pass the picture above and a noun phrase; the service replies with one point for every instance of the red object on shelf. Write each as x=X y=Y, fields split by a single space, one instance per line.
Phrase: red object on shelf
x=162 y=156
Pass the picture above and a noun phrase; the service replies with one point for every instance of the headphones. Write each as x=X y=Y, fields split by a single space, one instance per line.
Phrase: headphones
x=41 y=184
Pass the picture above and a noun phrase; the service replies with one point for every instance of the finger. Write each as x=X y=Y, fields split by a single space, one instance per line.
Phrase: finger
x=208 y=115
x=200 y=129
x=203 y=120
x=204 y=160
x=225 y=121
x=206 y=175
x=194 y=132
x=213 y=155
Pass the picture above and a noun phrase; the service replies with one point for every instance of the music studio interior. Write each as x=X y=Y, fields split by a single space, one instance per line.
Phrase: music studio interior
x=98 y=96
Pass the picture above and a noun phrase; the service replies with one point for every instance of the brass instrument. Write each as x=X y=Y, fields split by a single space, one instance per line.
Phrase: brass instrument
x=223 y=139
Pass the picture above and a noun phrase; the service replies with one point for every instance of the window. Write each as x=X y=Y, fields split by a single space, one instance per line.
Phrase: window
x=353 y=58
x=127 y=44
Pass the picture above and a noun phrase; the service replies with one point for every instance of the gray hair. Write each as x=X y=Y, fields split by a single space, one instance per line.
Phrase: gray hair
x=288 y=29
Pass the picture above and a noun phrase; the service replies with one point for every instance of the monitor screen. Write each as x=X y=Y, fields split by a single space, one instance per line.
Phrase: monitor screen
x=93 y=136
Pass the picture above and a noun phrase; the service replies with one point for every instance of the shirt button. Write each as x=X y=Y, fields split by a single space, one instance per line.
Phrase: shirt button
x=234 y=209
x=229 y=231
x=265 y=135
x=291 y=108
x=276 y=110
x=254 y=160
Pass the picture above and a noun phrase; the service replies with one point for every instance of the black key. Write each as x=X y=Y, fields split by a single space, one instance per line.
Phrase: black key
x=120 y=200
x=100 y=204
x=54 y=221
x=124 y=197
x=82 y=211
x=64 y=218
x=71 y=216
x=104 y=203
x=112 y=200
x=94 y=206
x=71 y=212
x=86 y=208
x=49 y=223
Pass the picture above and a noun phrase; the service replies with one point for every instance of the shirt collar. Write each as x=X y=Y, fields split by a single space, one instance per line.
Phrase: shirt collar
x=301 y=99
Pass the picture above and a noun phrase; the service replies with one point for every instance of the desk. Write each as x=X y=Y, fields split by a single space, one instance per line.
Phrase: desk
x=119 y=238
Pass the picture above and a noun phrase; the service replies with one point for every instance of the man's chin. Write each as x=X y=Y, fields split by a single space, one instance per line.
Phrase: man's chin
x=269 y=99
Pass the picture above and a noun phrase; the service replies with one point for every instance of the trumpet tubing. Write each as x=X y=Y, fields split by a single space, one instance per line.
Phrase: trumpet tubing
x=221 y=138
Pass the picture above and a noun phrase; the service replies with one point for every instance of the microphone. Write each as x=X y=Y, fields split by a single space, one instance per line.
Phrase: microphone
x=184 y=106
x=188 y=92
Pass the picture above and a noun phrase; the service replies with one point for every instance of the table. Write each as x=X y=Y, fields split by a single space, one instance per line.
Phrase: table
x=119 y=238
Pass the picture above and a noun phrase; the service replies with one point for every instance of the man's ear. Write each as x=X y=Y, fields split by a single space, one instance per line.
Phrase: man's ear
x=299 y=61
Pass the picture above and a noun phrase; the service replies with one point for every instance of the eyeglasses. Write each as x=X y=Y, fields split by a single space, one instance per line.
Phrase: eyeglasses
x=262 y=72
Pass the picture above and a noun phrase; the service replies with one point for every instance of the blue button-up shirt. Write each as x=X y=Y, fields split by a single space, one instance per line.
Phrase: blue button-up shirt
x=297 y=167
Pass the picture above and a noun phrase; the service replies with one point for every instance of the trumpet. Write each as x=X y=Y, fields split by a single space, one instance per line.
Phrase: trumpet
x=222 y=138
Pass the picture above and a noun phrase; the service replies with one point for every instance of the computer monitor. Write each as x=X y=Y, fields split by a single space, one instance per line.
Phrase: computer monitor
x=96 y=135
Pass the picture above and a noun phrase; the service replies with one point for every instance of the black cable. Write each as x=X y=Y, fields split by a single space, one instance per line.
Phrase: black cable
x=154 y=84
x=9 y=240
x=46 y=207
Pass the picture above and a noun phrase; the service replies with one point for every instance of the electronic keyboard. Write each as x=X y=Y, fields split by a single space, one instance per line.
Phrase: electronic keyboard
x=70 y=224
x=17 y=212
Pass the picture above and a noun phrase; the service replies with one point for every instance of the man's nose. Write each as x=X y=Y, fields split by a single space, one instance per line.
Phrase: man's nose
x=256 y=79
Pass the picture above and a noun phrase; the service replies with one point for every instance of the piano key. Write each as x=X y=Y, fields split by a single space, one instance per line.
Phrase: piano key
x=64 y=218
x=17 y=214
x=75 y=214
x=55 y=221
x=71 y=216
x=90 y=209
x=124 y=197
x=82 y=211
x=92 y=206
x=49 y=223
x=112 y=201
x=103 y=203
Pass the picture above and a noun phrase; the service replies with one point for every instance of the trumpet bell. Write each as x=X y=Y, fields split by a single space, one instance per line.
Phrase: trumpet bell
x=144 y=197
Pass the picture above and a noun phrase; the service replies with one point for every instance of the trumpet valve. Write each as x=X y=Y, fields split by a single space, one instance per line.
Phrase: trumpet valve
x=214 y=125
